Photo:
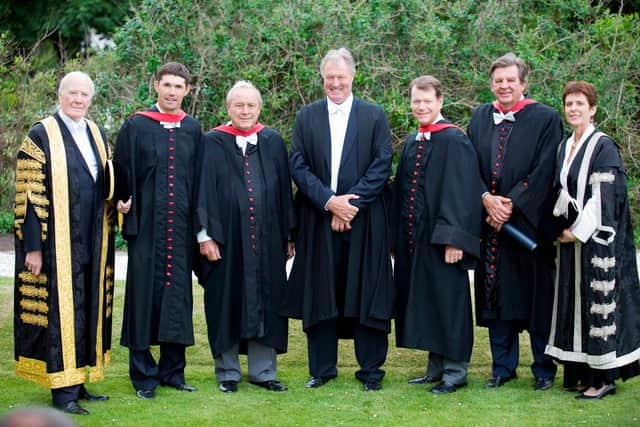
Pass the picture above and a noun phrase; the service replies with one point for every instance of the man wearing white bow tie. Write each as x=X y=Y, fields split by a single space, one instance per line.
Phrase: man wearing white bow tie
x=245 y=216
x=515 y=139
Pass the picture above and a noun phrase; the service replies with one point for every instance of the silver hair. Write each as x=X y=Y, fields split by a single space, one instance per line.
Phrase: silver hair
x=335 y=55
x=242 y=84
x=73 y=74
x=508 y=60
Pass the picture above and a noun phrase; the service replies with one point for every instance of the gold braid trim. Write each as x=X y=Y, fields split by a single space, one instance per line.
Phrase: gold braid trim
x=34 y=187
x=31 y=148
x=31 y=305
x=42 y=213
x=102 y=151
x=30 y=175
x=28 y=277
x=30 y=187
x=33 y=291
x=61 y=231
x=24 y=164
x=36 y=370
x=20 y=211
x=34 y=319
x=38 y=200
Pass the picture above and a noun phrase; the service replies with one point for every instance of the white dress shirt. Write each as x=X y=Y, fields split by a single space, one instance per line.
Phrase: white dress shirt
x=338 y=120
x=78 y=131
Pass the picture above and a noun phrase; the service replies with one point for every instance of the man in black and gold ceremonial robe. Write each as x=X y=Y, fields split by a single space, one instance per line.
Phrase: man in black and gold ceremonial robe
x=64 y=251
x=515 y=140
x=154 y=161
x=341 y=284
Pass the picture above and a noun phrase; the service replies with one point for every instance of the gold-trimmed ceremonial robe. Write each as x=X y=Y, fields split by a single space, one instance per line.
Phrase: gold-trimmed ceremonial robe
x=62 y=322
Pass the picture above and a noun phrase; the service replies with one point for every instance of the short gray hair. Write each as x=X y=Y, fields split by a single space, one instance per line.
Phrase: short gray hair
x=242 y=84
x=508 y=60
x=73 y=74
x=335 y=55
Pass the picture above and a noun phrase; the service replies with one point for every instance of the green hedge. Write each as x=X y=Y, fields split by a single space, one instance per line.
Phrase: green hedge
x=278 y=46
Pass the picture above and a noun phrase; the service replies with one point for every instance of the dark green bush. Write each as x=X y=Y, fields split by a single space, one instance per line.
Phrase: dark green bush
x=278 y=46
x=6 y=222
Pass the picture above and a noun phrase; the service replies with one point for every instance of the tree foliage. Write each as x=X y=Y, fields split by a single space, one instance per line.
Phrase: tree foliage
x=278 y=46
x=64 y=23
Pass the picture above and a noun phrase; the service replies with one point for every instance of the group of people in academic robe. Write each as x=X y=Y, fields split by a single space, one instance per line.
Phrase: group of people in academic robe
x=221 y=204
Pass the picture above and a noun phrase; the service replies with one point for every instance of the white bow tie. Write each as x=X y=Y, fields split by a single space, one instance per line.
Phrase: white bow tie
x=241 y=141
x=499 y=117
x=422 y=136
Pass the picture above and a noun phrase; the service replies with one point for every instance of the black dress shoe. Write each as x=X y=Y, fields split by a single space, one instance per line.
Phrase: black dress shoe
x=316 y=382
x=499 y=381
x=444 y=388
x=542 y=384
x=228 y=386
x=185 y=387
x=145 y=394
x=72 y=407
x=372 y=386
x=271 y=385
x=92 y=397
x=609 y=389
x=427 y=379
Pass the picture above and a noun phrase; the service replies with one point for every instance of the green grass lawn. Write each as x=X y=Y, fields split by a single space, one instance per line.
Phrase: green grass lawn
x=341 y=402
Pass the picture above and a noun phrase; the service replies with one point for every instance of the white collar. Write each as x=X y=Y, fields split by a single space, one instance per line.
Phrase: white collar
x=587 y=133
x=72 y=124
x=345 y=107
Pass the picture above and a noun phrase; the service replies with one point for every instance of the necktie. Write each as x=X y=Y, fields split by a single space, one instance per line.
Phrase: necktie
x=241 y=141
x=499 y=117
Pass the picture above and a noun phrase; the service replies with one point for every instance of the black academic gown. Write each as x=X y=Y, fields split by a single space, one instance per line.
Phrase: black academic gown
x=596 y=317
x=244 y=289
x=511 y=283
x=62 y=319
x=160 y=165
x=435 y=204
x=364 y=169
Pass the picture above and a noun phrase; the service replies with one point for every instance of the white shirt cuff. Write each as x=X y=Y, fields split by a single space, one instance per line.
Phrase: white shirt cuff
x=203 y=236
x=586 y=223
x=327 y=204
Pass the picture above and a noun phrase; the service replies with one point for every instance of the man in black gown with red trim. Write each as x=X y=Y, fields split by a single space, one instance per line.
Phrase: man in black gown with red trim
x=435 y=228
x=154 y=161
x=516 y=140
x=245 y=217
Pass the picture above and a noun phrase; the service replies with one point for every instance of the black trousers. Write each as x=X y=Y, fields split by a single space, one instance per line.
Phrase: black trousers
x=60 y=396
x=371 y=344
x=505 y=350
x=145 y=374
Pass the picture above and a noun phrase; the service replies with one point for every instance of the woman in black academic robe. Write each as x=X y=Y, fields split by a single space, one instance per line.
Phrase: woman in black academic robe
x=596 y=311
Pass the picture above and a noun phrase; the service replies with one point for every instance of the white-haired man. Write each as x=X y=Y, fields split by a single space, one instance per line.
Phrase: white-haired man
x=341 y=282
x=64 y=250
x=244 y=213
